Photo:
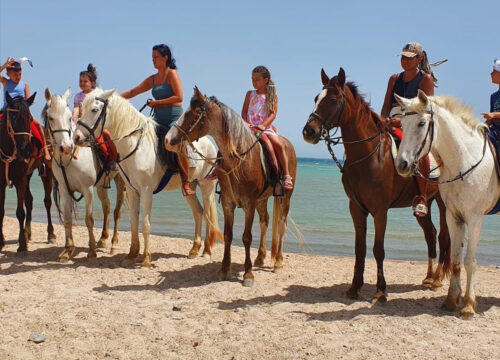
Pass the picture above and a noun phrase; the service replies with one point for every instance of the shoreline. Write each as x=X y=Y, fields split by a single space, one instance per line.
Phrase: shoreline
x=97 y=309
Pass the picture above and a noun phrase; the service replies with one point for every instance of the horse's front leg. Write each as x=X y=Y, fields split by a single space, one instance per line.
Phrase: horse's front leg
x=212 y=229
x=248 y=278
x=102 y=194
x=456 y=228
x=197 y=211
x=380 y=220
x=28 y=202
x=67 y=206
x=147 y=204
x=2 y=215
x=21 y=215
x=47 y=201
x=89 y=221
x=228 y=208
x=120 y=198
x=443 y=267
x=359 y=220
x=474 y=225
x=134 y=203
x=264 y=224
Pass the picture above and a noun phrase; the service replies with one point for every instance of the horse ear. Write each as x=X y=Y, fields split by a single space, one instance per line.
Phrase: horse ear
x=199 y=95
x=402 y=101
x=324 y=78
x=106 y=94
x=48 y=95
x=422 y=97
x=67 y=94
x=31 y=99
x=341 y=77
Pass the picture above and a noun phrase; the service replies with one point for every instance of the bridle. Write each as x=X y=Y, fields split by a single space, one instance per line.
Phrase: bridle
x=333 y=121
x=430 y=134
x=199 y=120
x=100 y=118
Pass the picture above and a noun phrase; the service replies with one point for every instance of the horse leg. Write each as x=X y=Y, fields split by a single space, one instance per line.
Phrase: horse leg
x=117 y=213
x=228 y=208
x=474 y=226
x=69 y=246
x=430 y=238
x=264 y=223
x=89 y=221
x=2 y=214
x=457 y=234
x=443 y=268
x=28 y=202
x=102 y=194
x=248 y=278
x=380 y=220
x=134 y=203
x=197 y=211
x=47 y=187
x=147 y=204
x=280 y=214
x=359 y=219
x=212 y=229
x=21 y=215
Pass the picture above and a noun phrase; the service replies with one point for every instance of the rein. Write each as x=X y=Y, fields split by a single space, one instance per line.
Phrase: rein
x=430 y=130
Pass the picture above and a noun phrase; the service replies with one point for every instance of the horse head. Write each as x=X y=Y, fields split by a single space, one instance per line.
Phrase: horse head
x=57 y=116
x=328 y=107
x=92 y=122
x=418 y=127
x=191 y=125
x=18 y=117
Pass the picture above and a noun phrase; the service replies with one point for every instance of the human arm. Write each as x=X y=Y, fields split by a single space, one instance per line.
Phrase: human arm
x=7 y=64
x=175 y=100
x=386 y=108
x=427 y=85
x=76 y=112
x=144 y=86
x=491 y=116
x=244 y=109
x=26 y=91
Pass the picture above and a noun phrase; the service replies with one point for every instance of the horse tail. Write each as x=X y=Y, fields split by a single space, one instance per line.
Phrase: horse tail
x=213 y=221
x=277 y=214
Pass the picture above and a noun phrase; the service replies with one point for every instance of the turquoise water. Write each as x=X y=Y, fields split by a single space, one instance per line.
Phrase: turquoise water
x=319 y=208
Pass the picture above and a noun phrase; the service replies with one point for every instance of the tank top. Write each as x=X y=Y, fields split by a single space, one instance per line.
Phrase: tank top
x=165 y=115
x=14 y=90
x=406 y=89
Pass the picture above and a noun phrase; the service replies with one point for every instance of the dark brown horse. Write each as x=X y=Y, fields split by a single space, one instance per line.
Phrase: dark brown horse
x=370 y=179
x=241 y=177
x=17 y=166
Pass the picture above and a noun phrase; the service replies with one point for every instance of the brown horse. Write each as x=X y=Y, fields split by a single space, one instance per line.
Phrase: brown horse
x=241 y=177
x=370 y=179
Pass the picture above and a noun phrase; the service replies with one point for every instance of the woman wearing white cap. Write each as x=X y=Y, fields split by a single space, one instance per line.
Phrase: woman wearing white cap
x=417 y=75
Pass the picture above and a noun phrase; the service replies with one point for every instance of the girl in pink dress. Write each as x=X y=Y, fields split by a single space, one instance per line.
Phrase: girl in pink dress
x=259 y=111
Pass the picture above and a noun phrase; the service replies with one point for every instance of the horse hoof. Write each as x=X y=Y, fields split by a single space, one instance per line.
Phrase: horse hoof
x=51 y=239
x=467 y=312
x=146 y=264
x=278 y=269
x=128 y=263
x=193 y=254
x=259 y=261
x=22 y=253
x=437 y=284
x=427 y=281
x=91 y=255
x=207 y=255
x=113 y=251
x=379 y=299
x=101 y=244
x=352 y=294
x=248 y=282
x=449 y=306
x=224 y=276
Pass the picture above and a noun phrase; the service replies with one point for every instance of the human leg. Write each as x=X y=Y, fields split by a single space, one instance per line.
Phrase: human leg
x=420 y=201
x=184 y=172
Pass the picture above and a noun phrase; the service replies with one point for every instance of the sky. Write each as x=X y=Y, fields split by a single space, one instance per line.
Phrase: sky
x=217 y=43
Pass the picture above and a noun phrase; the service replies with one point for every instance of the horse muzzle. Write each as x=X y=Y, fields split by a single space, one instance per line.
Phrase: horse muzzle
x=311 y=132
x=79 y=139
x=404 y=168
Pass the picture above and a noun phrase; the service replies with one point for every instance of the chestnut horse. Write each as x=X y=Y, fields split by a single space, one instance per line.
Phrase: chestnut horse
x=241 y=177
x=15 y=153
x=370 y=179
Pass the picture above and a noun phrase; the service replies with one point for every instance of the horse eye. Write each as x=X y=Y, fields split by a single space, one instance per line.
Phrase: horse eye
x=422 y=123
x=94 y=110
x=51 y=118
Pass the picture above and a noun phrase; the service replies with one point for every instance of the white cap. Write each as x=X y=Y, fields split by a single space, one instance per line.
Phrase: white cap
x=496 y=65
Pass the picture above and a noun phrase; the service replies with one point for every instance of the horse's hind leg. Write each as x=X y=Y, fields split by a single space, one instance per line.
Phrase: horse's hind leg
x=228 y=208
x=2 y=214
x=359 y=221
x=89 y=221
x=474 y=226
x=28 y=201
x=134 y=203
x=430 y=238
x=212 y=229
x=197 y=211
x=120 y=198
x=248 y=278
x=47 y=187
x=102 y=194
x=443 y=268
x=21 y=215
x=264 y=224
x=280 y=214
x=380 y=220
x=69 y=246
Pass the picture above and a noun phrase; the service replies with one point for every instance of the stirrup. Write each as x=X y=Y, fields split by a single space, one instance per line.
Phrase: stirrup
x=419 y=207
x=186 y=189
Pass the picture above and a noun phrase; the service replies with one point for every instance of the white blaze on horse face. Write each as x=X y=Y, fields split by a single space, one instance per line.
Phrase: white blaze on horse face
x=321 y=96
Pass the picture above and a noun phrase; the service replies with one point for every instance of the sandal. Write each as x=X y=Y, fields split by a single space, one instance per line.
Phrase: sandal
x=287 y=182
x=419 y=206
x=186 y=189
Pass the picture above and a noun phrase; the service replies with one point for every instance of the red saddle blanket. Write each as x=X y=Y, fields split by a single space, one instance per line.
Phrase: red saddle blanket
x=36 y=142
x=107 y=149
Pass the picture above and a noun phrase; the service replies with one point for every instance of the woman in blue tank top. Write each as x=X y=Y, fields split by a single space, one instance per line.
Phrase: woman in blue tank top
x=166 y=88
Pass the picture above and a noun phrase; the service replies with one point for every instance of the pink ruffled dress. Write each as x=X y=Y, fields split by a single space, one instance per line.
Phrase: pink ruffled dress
x=257 y=112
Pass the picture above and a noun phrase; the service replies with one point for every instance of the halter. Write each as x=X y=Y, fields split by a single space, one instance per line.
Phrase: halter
x=102 y=117
x=201 y=119
x=430 y=130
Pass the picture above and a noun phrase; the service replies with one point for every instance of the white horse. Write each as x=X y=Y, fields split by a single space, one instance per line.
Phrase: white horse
x=135 y=140
x=468 y=182
x=76 y=169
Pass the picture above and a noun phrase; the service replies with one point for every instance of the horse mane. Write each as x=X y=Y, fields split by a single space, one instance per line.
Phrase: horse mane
x=460 y=109
x=365 y=106
x=122 y=117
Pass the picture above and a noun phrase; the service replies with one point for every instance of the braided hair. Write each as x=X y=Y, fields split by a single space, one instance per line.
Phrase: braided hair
x=270 y=88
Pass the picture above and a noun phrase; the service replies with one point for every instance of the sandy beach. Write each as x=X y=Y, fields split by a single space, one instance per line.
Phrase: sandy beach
x=179 y=310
